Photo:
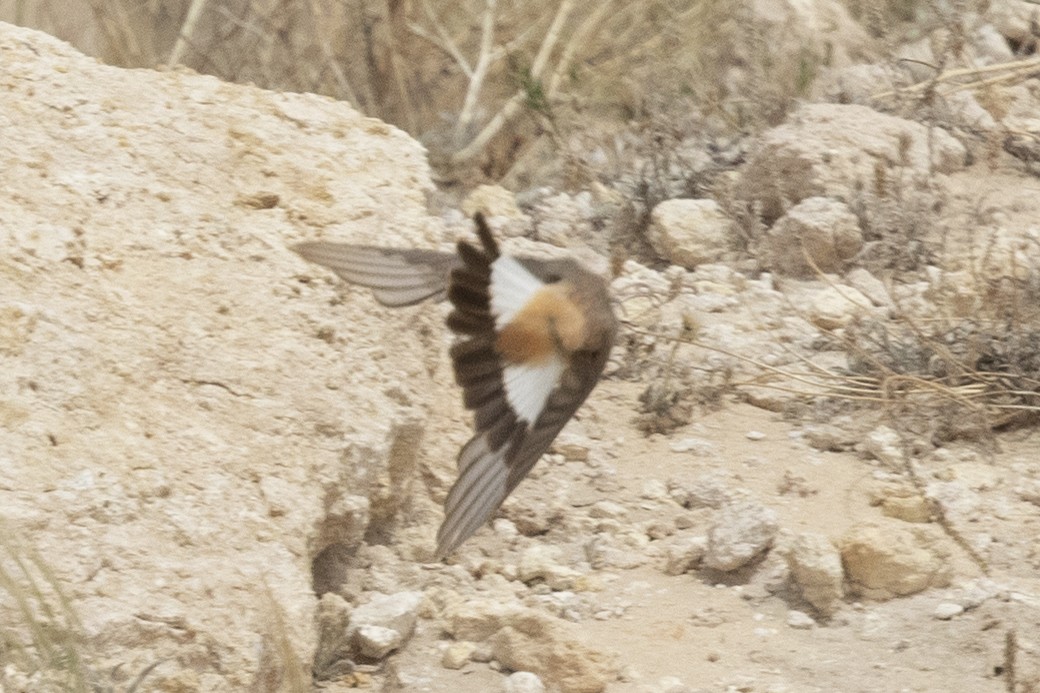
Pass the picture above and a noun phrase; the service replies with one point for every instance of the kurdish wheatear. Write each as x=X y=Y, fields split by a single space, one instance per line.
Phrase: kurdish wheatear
x=533 y=337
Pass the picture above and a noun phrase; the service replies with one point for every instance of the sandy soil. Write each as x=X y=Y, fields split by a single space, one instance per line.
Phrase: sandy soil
x=202 y=433
x=715 y=632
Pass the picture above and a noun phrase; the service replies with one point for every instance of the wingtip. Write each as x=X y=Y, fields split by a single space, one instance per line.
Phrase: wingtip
x=301 y=248
x=446 y=544
x=442 y=552
x=487 y=239
x=312 y=251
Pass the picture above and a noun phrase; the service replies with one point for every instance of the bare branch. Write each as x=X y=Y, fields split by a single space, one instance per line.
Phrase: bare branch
x=504 y=115
x=443 y=39
x=396 y=23
x=451 y=49
x=578 y=38
x=187 y=30
x=487 y=35
x=551 y=37
x=337 y=71
x=517 y=100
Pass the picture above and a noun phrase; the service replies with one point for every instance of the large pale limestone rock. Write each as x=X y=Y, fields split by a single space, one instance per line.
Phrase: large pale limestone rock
x=524 y=639
x=815 y=566
x=689 y=232
x=888 y=558
x=545 y=646
x=742 y=531
x=816 y=235
x=193 y=417
x=828 y=150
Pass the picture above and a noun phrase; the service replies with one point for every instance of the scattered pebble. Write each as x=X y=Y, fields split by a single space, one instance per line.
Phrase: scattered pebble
x=947 y=610
x=741 y=532
x=800 y=620
x=608 y=509
x=457 y=654
x=540 y=563
x=505 y=528
x=684 y=554
x=885 y=445
x=383 y=624
x=654 y=489
x=696 y=446
x=376 y=642
x=672 y=684
x=524 y=682
x=706 y=491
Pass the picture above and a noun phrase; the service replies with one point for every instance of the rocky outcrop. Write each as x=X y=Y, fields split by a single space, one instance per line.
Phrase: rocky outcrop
x=192 y=418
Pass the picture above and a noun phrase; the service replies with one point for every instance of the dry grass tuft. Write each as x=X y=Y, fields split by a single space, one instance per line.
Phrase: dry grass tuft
x=280 y=670
x=478 y=82
x=44 y=642
x=43 y=648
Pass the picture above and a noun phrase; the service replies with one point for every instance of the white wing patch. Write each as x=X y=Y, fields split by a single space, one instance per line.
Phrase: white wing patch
x=512 y=286
x=528 y=386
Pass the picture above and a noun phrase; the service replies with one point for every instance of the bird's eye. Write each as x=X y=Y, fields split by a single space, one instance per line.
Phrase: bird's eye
x=553 y=278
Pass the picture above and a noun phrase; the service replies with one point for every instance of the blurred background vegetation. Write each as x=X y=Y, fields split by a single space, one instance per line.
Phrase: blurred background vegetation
x=480 y=82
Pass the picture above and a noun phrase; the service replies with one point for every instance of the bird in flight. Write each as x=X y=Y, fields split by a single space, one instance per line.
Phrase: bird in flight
x=532 y=339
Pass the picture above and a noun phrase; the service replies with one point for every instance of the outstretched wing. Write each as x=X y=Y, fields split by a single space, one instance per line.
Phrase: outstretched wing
x=397 y=277
x=519 y=408
x=519 y=404
x=487 y=475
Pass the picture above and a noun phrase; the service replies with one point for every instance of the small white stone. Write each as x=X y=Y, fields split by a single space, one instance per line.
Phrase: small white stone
x=884 y=444
x=572 y=451
x=483 y=653
x=799 y=620
x=684 y=554
x=505 y=528
x=377 y=642
x=524 y=682
x=833 y=307
x=947 y=610
x=672 y=684
x=457 y=654
x=755 y=435
x=541 y=563
x=654 y=489
x=706 y=491
x=396 y=612
x=606 y=509
x=697 y=446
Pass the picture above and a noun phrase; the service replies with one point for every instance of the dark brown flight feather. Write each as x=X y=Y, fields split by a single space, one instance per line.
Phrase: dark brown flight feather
x=505 y=447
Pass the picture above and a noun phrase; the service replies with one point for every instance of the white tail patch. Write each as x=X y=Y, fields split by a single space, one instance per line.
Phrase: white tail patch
x=528 y=386
x=512 y=286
